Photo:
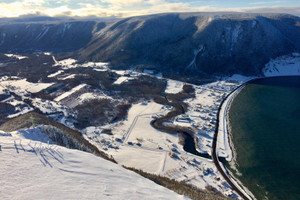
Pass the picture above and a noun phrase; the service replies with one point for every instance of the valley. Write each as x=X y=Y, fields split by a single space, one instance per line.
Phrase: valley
x=151 y=100
x=126 y=134
x=137 y=131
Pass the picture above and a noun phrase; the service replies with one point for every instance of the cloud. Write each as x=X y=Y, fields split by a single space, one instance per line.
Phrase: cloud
x=124 y=2
x=266 y=2
x=274 y=9
x=120 y=8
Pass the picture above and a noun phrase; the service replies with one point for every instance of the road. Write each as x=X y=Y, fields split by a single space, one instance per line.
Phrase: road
x=180 y=110
x=225 y=175
x=127 y=134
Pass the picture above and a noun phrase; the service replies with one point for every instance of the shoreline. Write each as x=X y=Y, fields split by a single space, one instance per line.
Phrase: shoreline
x=223 y=131
x=221 y=122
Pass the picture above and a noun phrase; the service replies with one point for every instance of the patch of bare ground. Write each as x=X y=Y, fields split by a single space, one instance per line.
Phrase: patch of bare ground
x=97 y=112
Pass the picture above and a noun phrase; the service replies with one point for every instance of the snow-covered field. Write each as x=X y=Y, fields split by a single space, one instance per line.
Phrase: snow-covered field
x=173 y=86
x=135 y=143
x=32 y=168
x=22 y=85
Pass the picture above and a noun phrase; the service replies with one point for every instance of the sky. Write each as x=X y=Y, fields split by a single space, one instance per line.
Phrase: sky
x=127 y=8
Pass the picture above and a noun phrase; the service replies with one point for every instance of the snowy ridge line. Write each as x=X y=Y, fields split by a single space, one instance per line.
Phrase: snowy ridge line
x=84 y=175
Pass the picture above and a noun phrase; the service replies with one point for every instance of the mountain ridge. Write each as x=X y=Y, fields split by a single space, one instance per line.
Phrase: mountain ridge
x=191 y=44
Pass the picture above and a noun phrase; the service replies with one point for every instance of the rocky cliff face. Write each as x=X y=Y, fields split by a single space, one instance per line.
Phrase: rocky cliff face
x=188 y=43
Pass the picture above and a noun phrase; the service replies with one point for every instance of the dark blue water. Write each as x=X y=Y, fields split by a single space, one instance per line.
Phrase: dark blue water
x=265 y=122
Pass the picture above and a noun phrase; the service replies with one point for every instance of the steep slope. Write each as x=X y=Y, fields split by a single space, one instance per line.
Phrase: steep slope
x=57 y=132
x=32 y=169
x=213 y=43
x=185 y=43
x=46 y=36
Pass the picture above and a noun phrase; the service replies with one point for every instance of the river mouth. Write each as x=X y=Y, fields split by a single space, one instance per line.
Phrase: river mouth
x=265 y=127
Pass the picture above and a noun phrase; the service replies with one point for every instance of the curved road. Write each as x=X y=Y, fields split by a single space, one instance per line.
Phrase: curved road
x=214 y=147
x=226 y=176
x=180 y=110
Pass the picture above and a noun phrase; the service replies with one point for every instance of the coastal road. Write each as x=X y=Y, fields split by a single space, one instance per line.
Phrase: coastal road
x=225 y=175
x=180 y=110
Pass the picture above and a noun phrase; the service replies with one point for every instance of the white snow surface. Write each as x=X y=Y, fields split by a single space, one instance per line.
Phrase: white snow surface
x=66 y=94
x=89 y=95
x=69 y=77
x=223 y=147
x=55 y=74
x=22 y=85
x=203 y=111
x=148 y=149
x=95 y=64
x=173 y=86
x=65 y=63
x=121 y=72
x=16 y=56
x=86 y=97
x=135 y=143
x=122 y=79
x=283 y=66
x=72 y=63
x=21 y=112
x=33 y=169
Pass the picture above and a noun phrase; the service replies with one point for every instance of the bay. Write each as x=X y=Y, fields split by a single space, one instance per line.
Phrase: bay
x=265 y=125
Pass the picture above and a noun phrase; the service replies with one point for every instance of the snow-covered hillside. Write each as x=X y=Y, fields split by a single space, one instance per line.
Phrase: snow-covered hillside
x=36 y=169
x=288 y=65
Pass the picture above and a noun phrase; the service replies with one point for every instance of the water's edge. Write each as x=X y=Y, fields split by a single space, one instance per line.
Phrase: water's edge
x=232 y=164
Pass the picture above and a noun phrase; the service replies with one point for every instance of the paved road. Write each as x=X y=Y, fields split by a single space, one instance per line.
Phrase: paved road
x=180 y=110
x=215 y=156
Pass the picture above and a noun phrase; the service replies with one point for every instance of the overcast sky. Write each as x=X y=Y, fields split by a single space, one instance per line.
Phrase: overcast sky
x=126 y=8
